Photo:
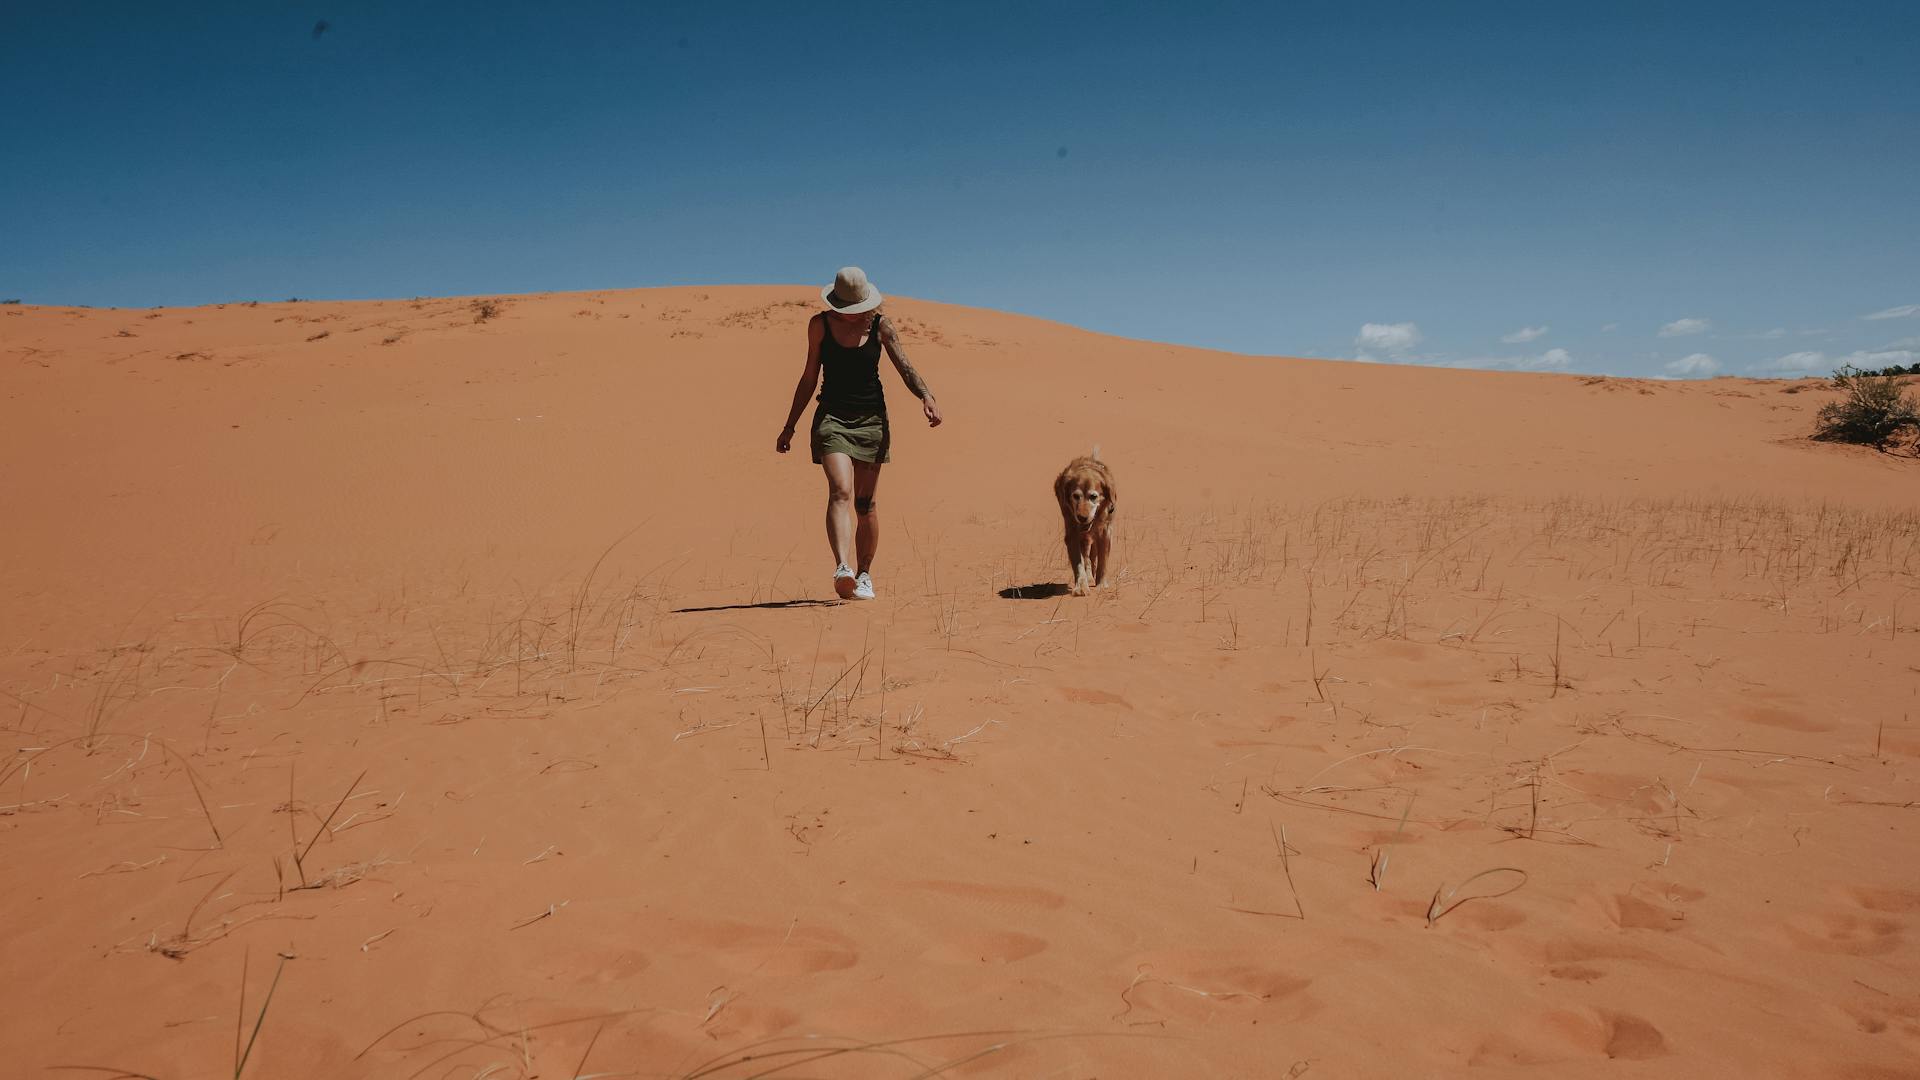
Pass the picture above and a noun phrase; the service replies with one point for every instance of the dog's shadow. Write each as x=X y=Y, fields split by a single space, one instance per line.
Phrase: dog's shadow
x=1043 y=591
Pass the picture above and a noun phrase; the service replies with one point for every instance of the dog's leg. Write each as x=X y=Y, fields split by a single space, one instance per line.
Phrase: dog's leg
x=1102 y=543
x=1073 y=559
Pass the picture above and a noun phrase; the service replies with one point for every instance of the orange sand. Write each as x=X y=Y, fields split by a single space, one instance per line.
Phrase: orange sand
x=1611 y=685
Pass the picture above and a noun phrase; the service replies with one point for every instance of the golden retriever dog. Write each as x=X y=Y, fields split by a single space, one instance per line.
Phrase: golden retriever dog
x=1084 y=490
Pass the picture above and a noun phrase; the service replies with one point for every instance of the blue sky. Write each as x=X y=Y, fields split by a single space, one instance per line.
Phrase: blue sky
x=1626 y=188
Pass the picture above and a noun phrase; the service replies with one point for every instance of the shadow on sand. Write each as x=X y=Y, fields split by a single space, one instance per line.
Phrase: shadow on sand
x=759 y=606
x=1044 y=591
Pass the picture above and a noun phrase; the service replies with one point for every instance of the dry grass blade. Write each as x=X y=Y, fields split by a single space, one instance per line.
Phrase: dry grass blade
x=23 y=767
x=1439 y=906
x=240 y=1063
x=552 y=910
x=194 y=779
x=1286 y=868
x=186 y=929
x=336 y=809
x=826 y=1046
x=493 y=1033
x=580 y=1069
x=836 y=682
x=1377 y=871
x=577 y=610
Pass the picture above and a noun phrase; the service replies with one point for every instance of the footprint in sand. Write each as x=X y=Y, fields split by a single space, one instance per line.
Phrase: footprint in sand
x=1583 y=1033
x=1874 y=898
x=796 y=950
x=1629 y=912
x=1576 y=973
x=603 y=966
x=733 y=1020
x=1870 y=1072
x=1884 y=1014
x=1846 y=933
x=1002 y=947
x=1195 y=990
x=996 y=896
x=1094 y=697
x=1788 y=719
x=1486 y=915
x=1582 y=961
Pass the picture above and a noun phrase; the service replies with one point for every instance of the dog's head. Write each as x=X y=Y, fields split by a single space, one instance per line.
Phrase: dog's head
x=1085 y=490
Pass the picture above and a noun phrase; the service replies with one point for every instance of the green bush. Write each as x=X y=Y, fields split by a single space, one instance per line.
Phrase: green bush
x=1873 y=409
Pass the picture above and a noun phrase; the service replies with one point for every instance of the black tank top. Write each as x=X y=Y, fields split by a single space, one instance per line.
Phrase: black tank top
x=850 y=384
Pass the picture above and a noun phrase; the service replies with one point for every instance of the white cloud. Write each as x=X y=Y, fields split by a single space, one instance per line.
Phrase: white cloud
x=1817 y=363
x=1683 y=327
x=1793 y=364
x=1770 y=335
x=1696 y=366
x=1394 y=339
x=1871 y=360
x=1551 y=360
x=1523 y=335
x=1901 y=312
x=1610 y=328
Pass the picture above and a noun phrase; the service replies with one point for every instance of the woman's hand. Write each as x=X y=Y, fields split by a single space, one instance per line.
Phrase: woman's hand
x=785 y=442
x=932 y=410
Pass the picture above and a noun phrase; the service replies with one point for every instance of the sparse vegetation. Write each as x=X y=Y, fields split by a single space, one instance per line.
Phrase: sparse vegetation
x=486 y=309
x=1873 y=409
x=1415 y=706
x=3 y=302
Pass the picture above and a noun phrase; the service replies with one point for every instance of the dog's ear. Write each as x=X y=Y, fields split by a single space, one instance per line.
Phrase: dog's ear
x=1112 y=501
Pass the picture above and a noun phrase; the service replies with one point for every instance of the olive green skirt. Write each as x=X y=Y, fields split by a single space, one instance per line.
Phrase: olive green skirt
x=862 y=438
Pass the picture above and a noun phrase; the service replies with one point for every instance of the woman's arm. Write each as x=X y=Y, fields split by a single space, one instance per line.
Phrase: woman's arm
x=891 y=339
x=809 y=378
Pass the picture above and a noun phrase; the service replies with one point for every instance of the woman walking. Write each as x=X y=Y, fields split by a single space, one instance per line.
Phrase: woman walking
x=850 y=433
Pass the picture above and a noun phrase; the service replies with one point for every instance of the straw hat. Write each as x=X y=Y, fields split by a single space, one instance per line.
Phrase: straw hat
x=851 y=293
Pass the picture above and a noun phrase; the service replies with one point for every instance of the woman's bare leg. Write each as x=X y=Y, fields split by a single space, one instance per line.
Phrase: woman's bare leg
x=840 y=530
x=866 y=479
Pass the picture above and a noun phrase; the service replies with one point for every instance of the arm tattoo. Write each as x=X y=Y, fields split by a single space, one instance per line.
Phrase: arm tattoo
x=912 y=378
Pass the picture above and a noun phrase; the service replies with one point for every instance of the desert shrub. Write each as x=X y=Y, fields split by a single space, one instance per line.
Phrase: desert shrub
x=5 y=302
x=485 y=309
x=1873 y=409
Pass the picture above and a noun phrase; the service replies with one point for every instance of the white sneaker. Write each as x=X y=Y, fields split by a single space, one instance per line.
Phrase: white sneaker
x=843 y=583
x=863 y=587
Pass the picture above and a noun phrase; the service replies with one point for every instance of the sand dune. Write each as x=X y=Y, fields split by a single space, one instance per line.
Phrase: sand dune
x=1439 y=723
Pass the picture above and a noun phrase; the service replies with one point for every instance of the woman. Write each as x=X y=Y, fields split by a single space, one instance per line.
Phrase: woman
x=850 y=435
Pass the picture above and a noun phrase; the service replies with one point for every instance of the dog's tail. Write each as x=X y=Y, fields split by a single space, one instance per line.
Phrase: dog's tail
x=1096 y=452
